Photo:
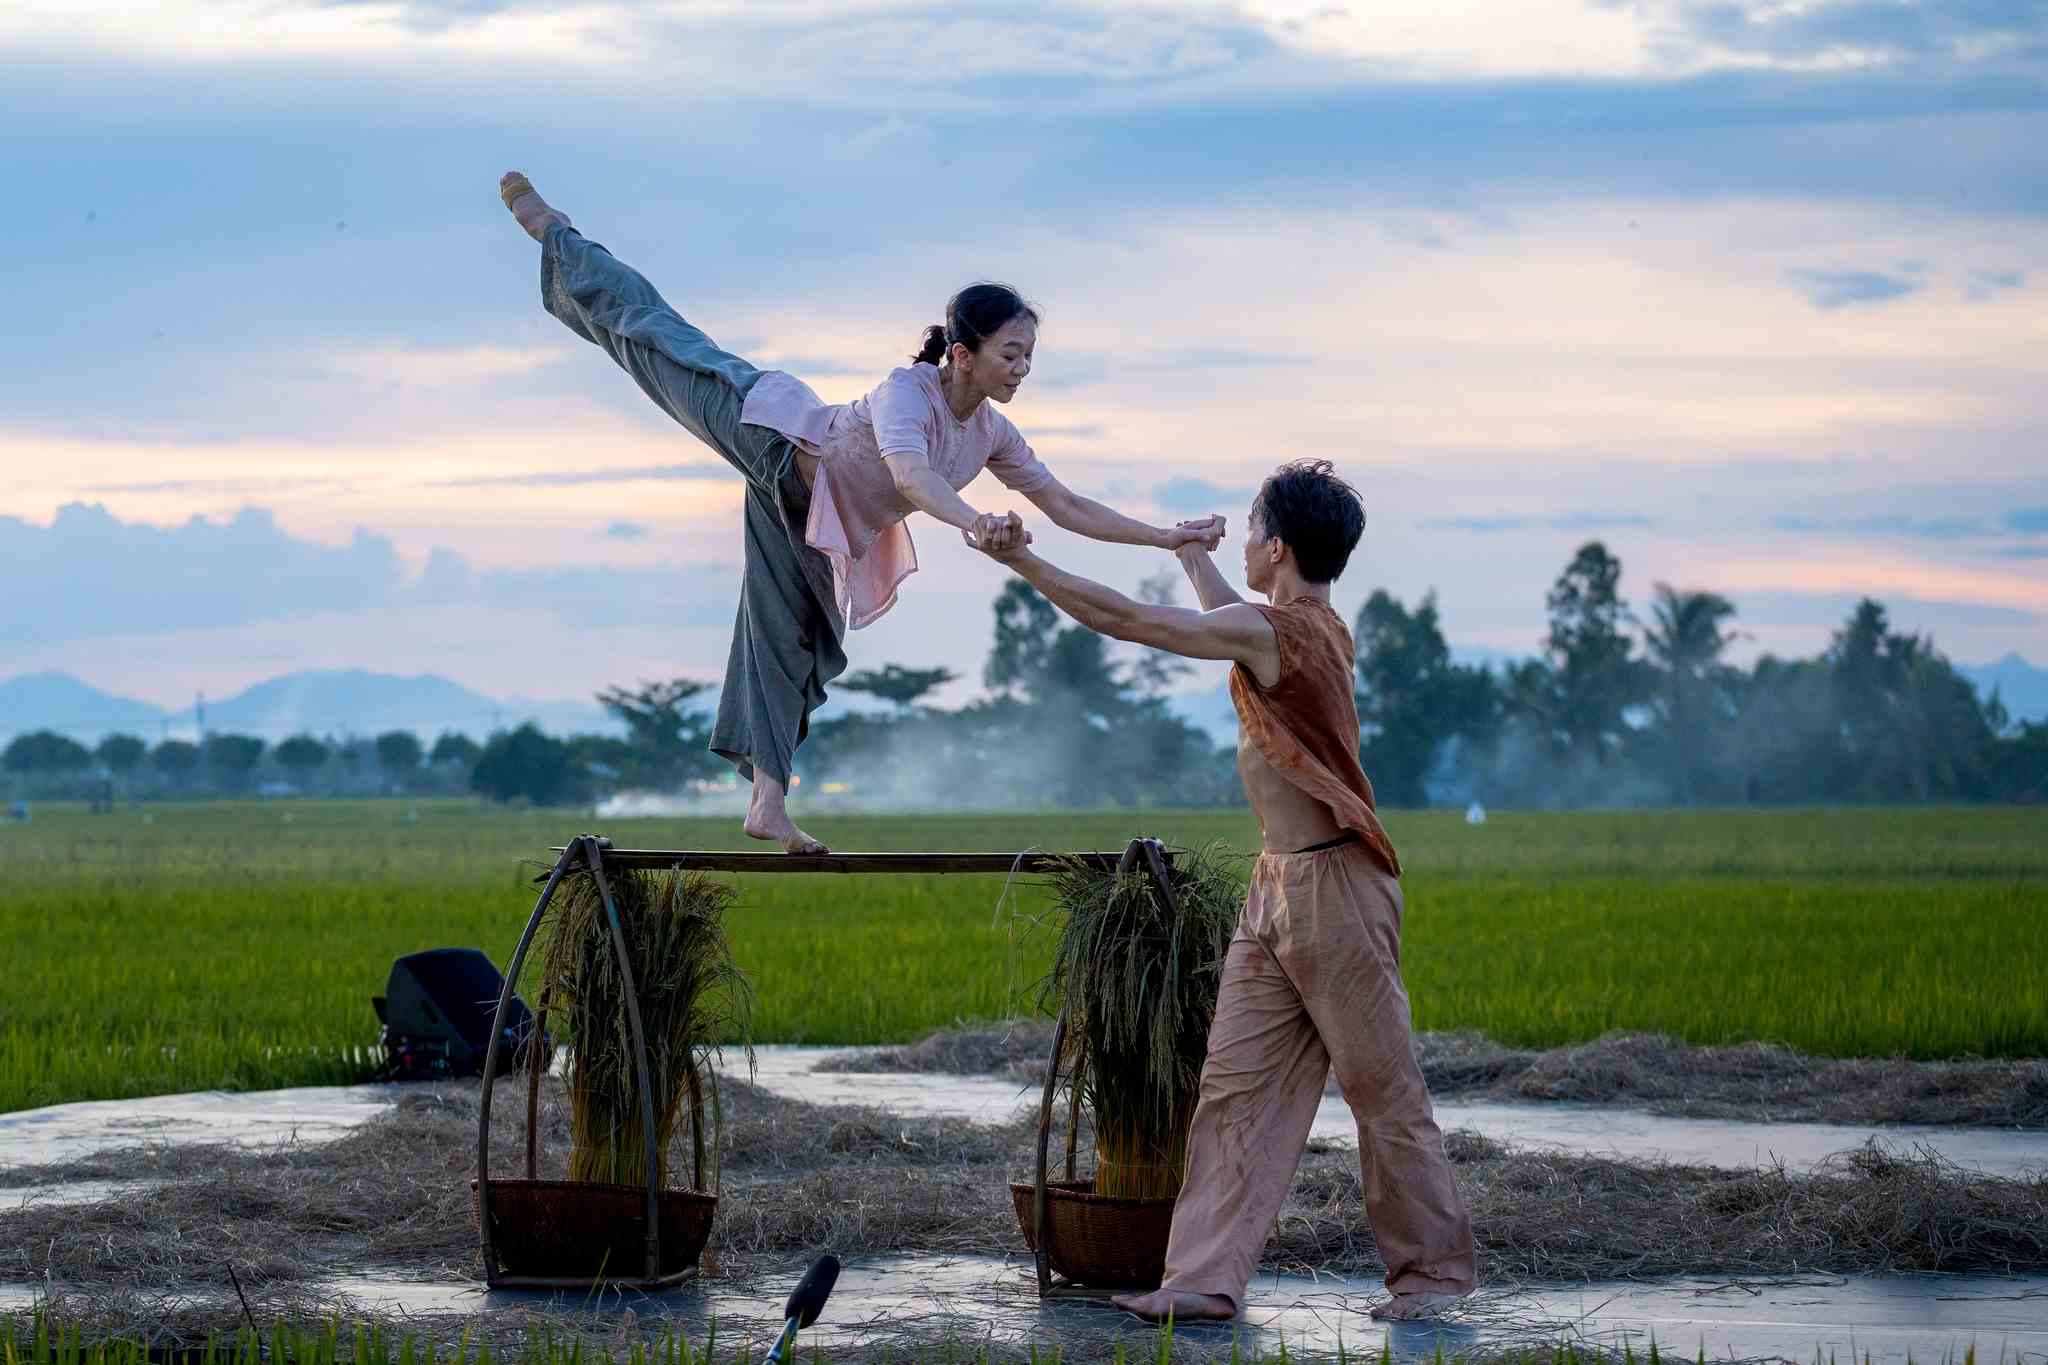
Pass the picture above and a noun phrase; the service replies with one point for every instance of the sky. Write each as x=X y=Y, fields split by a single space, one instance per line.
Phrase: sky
x=1750 y=290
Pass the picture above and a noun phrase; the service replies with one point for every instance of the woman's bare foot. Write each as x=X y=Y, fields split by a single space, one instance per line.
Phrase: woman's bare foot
x=768 y=818
x=1161 y=1304
x=1415 y=1307
x=527 y=206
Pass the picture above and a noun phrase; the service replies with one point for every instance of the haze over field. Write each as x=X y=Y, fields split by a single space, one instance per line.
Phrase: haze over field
x=1751 y=292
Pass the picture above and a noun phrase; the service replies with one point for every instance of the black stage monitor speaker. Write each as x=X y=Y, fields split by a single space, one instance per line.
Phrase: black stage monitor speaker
x=436 y=1010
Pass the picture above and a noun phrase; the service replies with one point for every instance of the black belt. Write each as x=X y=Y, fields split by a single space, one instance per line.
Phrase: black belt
x=1349 y=836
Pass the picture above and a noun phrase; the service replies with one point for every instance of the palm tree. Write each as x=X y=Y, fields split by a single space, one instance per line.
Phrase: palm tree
x=1685 y=641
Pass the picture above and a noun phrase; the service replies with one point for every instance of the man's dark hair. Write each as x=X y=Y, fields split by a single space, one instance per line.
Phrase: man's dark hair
x=1316 y=513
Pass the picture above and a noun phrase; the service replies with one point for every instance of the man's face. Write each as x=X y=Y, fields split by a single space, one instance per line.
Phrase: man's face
x=1258 y=554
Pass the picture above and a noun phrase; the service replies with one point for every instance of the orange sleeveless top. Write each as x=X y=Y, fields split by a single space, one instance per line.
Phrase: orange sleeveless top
x=1306 y=725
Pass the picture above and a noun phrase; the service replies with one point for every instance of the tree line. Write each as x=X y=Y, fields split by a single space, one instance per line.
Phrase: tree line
x=225 y=764
x=1616 y=709
x=1619 y=709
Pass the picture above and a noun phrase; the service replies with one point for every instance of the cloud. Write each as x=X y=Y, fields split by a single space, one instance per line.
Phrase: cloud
x=218 y=488
x=1985 y=284
x=2030 y=520
x=1571 y=521
x=576 y=478
x=1841 y=288
x=1770 y=608
x=1216 y=358
x=1192 y=497
x=89 y=574
x=626 y=530
x=1923 y=528
x=1834 y=34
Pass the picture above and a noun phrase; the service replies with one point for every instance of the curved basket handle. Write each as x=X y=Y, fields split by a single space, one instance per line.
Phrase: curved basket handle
x=483 y=1106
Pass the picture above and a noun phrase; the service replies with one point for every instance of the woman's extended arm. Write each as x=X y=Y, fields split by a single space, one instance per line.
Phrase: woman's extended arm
x=922 y=487
x=1070 y=511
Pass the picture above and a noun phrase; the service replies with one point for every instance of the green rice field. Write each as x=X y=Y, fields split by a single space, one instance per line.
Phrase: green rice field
x=172 y=948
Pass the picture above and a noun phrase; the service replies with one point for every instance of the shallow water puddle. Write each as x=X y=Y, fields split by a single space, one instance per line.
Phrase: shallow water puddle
x=1579 y=1127
x=64 y=1132
x=1889 y=1318
x=314 y=1114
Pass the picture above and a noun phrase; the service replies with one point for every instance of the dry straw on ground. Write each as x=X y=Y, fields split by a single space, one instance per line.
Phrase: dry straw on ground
x=392 y=1199
x=1760 y=1082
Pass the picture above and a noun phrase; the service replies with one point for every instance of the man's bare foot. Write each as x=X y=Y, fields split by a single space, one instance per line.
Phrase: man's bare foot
x=1161 y=1304
x=527 y=206
x=768 y=818
x=1415 y=1307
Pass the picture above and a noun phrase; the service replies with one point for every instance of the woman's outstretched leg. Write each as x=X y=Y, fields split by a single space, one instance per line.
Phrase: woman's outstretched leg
x=786 y=638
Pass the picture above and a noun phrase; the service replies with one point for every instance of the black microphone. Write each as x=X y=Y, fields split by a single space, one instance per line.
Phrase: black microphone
x=806 y=1301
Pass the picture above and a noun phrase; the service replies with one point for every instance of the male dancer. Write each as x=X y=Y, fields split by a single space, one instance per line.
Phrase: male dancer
x=1313 y=978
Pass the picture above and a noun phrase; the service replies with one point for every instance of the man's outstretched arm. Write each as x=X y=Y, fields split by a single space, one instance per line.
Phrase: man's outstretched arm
x=1235 y=631
x=1212 y=590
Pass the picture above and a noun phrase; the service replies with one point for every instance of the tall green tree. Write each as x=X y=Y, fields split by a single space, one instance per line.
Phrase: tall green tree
x=122 y=754
x=894 y=683
x=454 y=749
x=524 y=765
x=301 y=756
x=174 y=757
x=666 y=739
x=1691 y=692
x=45 y=751
x=1594 y=678
x=232 y=759
x=1413 y=701
x=1020 y=661
x=399 y=752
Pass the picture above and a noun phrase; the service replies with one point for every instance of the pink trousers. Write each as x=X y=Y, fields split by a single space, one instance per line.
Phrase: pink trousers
x=1313 y=984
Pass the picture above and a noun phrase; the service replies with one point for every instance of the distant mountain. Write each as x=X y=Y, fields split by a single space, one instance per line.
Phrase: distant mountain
x=58 y=701
x=325 y=702
x=2021 y=686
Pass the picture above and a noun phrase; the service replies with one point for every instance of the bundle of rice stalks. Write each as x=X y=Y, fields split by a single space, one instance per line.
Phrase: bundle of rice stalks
x=692 y=999
x=1138 y=980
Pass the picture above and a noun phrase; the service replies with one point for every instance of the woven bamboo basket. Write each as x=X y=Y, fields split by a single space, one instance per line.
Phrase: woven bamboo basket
x=1096 y=1239
x=580 y=1230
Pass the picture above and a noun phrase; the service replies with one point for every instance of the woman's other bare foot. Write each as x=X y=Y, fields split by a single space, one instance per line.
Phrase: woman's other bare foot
x=527 y=206
x=768 y=818
x=1161 y=1304
x=1415 y=1307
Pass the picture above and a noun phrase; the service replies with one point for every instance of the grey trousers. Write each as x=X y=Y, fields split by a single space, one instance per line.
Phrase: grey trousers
x=786 y=638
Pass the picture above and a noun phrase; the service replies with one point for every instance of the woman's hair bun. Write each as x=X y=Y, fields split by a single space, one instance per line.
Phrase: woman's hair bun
x=934 y=348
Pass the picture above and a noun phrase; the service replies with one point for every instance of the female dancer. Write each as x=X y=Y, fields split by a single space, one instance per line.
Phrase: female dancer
x=828 y=486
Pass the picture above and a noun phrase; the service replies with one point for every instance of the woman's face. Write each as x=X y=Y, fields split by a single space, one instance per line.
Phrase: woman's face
x=1004 y=359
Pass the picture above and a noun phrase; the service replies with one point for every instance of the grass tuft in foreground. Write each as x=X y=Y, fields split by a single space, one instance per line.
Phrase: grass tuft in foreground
x=40 y=1339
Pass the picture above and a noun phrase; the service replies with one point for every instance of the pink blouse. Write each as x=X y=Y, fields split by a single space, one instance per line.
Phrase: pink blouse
x=856 y=513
